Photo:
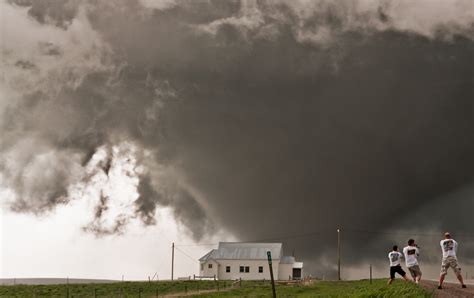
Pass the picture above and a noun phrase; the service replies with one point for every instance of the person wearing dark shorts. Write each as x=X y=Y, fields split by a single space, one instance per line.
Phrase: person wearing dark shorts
x=395 y=256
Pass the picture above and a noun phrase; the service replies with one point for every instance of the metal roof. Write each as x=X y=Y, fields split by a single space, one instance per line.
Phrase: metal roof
x=244 y=251
x=209 y=256
x=287 y=260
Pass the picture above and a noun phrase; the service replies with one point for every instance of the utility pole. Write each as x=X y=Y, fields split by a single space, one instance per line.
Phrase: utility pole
x=338 y=254
x=172 y=261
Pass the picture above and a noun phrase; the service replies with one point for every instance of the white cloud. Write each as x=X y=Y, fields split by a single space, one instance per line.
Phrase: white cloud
x=249 y=18
x=118 y=188
x=313 y=22
x=46 y=58
x=158 y=4
x=423 y=17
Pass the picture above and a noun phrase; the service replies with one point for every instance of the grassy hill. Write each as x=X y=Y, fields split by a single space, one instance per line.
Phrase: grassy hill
x=116 y=289
x=361 y=288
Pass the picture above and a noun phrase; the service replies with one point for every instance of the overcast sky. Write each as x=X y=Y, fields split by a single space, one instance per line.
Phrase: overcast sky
x=127 y=125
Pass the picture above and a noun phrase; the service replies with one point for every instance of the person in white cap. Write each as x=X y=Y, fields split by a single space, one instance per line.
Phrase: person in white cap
x=449 y=248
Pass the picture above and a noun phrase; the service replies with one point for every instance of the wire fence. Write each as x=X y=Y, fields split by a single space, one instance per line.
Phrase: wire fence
x=120 y=289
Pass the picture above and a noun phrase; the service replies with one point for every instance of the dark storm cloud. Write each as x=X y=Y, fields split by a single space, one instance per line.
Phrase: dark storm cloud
x=285 y=120
x=59 y=13
x=186 y=209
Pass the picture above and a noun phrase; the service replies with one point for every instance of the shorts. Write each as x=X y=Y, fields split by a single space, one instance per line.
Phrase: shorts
x=396 y=269
x=414 y=271
x=450 y=262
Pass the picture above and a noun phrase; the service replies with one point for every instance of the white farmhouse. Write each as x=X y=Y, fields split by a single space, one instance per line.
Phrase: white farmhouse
x=248 y=260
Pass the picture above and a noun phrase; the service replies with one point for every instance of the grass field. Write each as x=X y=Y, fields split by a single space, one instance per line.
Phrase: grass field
x=118 y=289
x=362 y=288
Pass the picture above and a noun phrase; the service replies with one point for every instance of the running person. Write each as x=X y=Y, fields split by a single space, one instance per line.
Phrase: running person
x=412 y=252
x=394 y=256
x=449 y=248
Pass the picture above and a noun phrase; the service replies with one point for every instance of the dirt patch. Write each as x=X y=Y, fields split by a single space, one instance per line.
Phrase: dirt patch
x=449 y=290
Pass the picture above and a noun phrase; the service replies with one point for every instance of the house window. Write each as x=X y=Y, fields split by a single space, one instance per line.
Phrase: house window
x=209 y=266
x=260 y=269
x=245 y=269
x=227 y=269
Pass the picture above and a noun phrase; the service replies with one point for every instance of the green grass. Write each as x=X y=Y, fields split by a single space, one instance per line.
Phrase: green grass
x=361 y=288
x=127 y=289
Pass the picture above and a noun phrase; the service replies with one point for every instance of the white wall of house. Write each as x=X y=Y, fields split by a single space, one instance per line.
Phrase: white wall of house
x=285 y=271
x=205 y=269
x=235 y=273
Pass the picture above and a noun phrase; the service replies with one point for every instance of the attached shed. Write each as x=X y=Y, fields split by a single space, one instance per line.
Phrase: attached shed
x=290 y=269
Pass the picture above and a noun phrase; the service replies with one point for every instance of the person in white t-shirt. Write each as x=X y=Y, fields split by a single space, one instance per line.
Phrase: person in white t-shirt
x=395 y=257
x=412 y=252
x=449 y=248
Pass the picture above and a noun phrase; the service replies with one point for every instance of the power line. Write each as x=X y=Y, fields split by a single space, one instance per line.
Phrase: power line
x=197 y=244
x=191 y=258
x=439 y=235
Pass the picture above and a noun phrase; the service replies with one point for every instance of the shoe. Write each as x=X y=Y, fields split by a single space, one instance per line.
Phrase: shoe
x=440 y=287
x=463 y=286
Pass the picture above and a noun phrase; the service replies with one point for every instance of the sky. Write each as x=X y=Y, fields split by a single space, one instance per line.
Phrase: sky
x=126 y=126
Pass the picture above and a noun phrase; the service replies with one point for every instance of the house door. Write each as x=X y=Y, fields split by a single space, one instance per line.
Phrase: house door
x=296 y=273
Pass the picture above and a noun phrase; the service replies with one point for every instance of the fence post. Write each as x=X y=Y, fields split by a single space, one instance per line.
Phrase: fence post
x=214 y=277
x=139 y=292
x=186 y=289
x=194 y=276
x=156 y=292
x=95 y=293
x=240 y=281
x=370 y=273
